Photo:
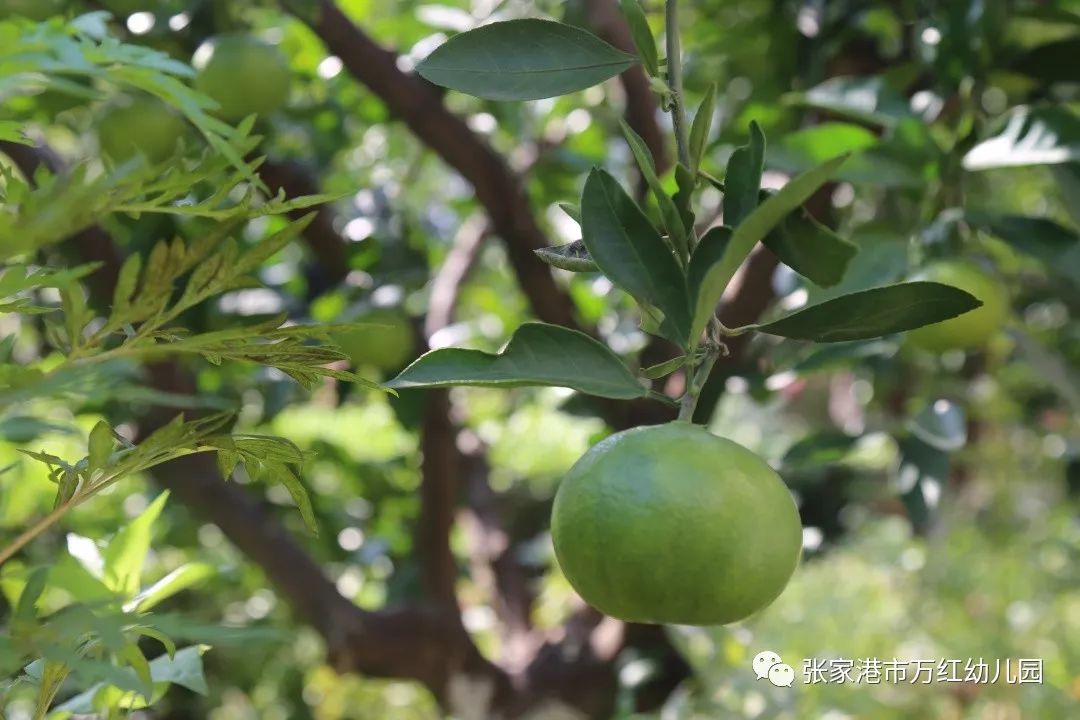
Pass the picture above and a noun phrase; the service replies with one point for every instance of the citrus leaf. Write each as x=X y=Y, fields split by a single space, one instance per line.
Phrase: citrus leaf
x=710 y=282
x=665 y=368
x=743 y=179
x=668 y=212
x=525 y=59
x=709 y=251
x=537 y=354
x=631 y=253
x=699 y=129
x=811 y=249
x=643 y=35
x=574 y=211
x=571 y=256
x=873 y=313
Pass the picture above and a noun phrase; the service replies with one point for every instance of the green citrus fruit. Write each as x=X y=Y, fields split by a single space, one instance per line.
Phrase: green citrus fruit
x=37 y=10
x=672 y=524
x=972 y=329
x=383 y=339
x=140 y=124
x=243 y=74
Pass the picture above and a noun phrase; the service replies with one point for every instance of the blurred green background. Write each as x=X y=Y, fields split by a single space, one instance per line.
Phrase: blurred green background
x=938 y=492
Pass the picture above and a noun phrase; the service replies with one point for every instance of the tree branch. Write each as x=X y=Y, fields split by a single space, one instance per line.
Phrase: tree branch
x=419 y=105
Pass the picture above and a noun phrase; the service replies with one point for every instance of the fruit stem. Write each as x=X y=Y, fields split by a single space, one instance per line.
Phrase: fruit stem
x=696 y=378
x=675 y=82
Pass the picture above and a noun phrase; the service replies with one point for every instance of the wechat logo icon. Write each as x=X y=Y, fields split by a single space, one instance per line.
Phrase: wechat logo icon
x=768 y=665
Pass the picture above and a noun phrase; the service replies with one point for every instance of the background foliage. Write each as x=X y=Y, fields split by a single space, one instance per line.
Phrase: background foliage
x=938 y=492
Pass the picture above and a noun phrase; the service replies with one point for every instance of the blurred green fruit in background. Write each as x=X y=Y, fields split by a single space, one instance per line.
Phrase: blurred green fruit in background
x=384 y=339
x=243 y=74
x=972 y=329
x=140 y=124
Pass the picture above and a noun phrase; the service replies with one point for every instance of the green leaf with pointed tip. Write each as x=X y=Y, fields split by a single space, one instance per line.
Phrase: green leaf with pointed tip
x=100 y=446
x=668 y=212
x=181 y=578
x=537 y=354
x=706 y=255
x=643 y=35
x=574 y=211
x=126 y=552
x=743 y=178
x=873 y=313
x=525 y=59
x=710 y=282
x=631 y=253
x=665 y=368
x=699 y=129
x=571 y=256
x=811 y=249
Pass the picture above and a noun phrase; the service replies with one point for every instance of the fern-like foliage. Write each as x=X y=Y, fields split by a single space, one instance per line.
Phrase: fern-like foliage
x=153 y=292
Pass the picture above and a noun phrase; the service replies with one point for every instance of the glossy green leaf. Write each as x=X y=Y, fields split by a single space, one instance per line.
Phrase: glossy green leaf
x=811 y=249
x=665 y=368
x=631 y=253
x=643 y=36
x=706 y=256
x=537 y=354
x=668 y=212
x=873 y=313
x=525 y=59
x=710 y=282
x=743 y=179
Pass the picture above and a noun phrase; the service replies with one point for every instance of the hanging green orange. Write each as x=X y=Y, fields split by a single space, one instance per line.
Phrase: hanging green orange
x=672 y=524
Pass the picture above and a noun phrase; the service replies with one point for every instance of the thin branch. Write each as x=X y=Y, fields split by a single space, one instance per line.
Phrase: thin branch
x=675 y=81
x=451 y=275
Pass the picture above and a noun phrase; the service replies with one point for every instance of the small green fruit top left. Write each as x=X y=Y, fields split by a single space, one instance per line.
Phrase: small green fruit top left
x=130 y=125
x=37 y=10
